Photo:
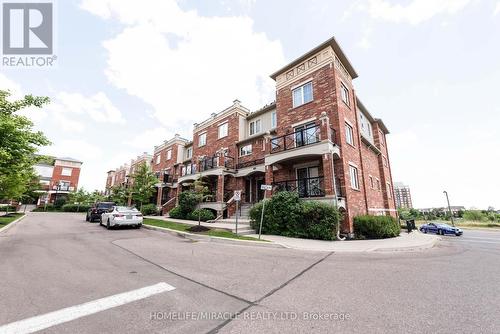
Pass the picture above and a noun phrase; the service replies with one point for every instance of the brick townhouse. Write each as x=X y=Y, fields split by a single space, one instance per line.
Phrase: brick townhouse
x=317 y=139
x=58 y=177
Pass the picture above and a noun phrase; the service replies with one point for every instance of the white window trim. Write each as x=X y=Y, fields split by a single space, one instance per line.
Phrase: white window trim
x=199 y=135
x=218 y=130
x=158 y=159
x=169 y=156
x=276 y=118
x=348 y=103
x=302 y=83
x=70 y=171
x=250 y=126
x=352 y=135
x=301 y=87
x=241 y=149
x=303 y=122
x=357 y=176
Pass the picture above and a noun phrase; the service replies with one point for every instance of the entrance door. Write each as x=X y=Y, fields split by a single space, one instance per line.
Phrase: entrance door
x=248 y=190
x=304 y=181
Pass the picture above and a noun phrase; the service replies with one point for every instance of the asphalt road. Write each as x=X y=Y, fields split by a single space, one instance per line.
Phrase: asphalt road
x=52 y=261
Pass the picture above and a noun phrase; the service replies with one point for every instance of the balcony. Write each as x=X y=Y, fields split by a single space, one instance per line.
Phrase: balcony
x=296 y=139
x=303 y=143
x=250 y=163
x=306 y=187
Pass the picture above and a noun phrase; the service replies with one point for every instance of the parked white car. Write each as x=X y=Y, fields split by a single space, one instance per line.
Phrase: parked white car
x=121 y=216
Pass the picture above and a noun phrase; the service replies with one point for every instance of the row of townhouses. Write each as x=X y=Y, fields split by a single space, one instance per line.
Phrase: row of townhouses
x=316 y=139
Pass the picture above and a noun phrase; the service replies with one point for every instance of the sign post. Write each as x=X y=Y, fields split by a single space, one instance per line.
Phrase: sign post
x=237 y=198
x=263 y=187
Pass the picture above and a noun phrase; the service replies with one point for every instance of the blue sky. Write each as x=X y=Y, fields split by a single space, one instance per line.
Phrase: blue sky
x=131 y=74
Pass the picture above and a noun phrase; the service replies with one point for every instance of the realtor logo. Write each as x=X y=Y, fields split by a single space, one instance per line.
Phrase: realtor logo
x=27 y=28
x=28 y=34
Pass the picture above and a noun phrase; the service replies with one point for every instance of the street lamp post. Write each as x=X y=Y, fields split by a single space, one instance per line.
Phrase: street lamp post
x=449 y=207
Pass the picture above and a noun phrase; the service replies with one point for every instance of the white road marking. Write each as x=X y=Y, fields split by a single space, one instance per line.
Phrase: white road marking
x=47 y=320
x=476 y=241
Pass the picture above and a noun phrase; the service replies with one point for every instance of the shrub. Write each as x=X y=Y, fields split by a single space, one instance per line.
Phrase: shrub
x=287 y=215
x=176 y=213
x=188 y=201
x=149 y=209
x=59 y=203
x=376 y=227
x=10 y=207
x=75 y=208
x=204 y=215
x=49 y=208
x=474 y=215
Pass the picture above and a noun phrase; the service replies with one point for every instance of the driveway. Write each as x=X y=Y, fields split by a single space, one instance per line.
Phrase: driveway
x=143 y=281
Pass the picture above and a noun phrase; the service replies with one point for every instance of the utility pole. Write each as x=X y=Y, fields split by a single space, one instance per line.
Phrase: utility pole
x=449 y=207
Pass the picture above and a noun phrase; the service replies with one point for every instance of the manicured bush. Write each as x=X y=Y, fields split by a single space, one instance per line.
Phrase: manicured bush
x=59 y=203
x=11 y=208
x=285 y=214
x=204 y=215
x=75 y=208
x=188 y=201
x=376 y=227
x=176 y=213
x=49 y=208
x=149 y=210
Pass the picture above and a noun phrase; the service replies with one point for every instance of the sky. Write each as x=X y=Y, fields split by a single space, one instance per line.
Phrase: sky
x=131 y=74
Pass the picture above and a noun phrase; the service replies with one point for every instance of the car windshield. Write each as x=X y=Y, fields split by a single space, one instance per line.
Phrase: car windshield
x=125 y=208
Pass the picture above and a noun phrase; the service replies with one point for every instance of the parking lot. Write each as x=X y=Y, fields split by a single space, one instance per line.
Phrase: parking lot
x=146 y=281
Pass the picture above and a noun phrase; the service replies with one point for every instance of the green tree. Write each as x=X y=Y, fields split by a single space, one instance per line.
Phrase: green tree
x=96 y=196
x=18 y=145
x=144 y=181
x=119 y=194
x=80 y=197
x=202 y=193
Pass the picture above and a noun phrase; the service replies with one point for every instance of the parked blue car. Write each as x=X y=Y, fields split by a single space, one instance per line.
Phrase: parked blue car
x=440 y=228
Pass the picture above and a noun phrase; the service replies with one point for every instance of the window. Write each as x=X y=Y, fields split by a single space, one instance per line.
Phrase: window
x=344 y=93
x=349 y=138
x=306 y=134
x=202 y=139
x=389 y=192
x=169 y=154
x=158 y=159
x=384 y=159
x=353 y=172
x=223 y=128
x=246 y=150
x=274 y=120
x=371 y=181
x=66 y=171
x=378 y=184
x=302 y=94
x=255 y=127
x=189 y=152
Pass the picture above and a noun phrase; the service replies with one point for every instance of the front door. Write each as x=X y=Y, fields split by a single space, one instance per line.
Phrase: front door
x=248 y=190
x=306 y=179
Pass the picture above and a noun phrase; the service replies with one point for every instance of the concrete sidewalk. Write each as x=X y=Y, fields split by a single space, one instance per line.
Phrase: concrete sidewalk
x=405 y=242
x=243 y=226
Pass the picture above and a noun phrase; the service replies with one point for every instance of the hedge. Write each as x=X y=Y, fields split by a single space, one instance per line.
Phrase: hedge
x=149 y=209
x=376 y=227
x=285 y=214
x=75 y=208
x=204 y=214
x=10 y=207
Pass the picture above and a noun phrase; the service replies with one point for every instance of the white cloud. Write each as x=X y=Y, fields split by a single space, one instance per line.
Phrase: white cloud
x=97 y=106
x=188 y=66
x=415 y=12
x=497 y=9
x=145 y=140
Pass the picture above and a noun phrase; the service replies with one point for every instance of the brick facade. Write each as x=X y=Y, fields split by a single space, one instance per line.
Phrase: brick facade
x=316 y=148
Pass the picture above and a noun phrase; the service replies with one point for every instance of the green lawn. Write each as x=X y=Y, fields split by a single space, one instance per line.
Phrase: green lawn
x=4 y=221
x=185 y=227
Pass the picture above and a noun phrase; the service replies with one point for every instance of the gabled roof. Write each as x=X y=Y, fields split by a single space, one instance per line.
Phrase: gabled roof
x=329 y=42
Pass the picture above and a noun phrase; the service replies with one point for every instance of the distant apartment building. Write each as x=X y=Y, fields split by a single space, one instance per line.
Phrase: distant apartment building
x=403 y=195
x=317 y=139
x=58 y=177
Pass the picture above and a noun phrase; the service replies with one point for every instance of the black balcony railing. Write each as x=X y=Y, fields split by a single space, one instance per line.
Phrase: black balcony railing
x=303 y=137
x=188 y=169
x=250 y=163
x=306 y=187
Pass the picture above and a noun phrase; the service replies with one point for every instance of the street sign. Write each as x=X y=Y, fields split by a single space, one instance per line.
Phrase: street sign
x=237 y=195
x=266 y=187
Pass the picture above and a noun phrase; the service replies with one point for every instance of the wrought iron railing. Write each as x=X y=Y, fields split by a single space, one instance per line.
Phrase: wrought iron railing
x=306 y=187
x=303 y=137
x=250 y=163
x=188 y=169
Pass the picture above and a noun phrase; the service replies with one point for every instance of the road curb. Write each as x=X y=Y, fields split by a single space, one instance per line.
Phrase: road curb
x=7 y=227
x=198 y=237
x=426 y=245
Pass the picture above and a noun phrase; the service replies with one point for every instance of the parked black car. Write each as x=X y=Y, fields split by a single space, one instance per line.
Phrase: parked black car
x=97 y=209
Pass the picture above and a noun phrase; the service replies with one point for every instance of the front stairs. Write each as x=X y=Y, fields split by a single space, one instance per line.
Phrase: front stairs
x=243 y=220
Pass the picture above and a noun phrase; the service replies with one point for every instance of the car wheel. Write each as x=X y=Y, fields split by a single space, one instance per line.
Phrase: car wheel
x=424 y=230
x=138 y=226
x=107 y=225
x=457 y=234
x=100 y=222
x=87 y=218
x=440 y=232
